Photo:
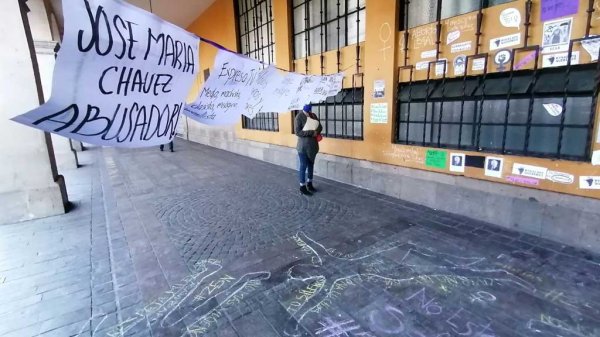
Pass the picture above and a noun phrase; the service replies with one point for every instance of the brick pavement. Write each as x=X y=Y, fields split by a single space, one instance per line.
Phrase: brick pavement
x=205 y=242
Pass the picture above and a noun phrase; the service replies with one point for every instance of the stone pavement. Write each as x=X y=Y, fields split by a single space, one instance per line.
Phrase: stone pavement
x=202 y=242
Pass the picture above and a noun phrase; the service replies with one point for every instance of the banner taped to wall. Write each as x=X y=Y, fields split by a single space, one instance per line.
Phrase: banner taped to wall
x=121 y=76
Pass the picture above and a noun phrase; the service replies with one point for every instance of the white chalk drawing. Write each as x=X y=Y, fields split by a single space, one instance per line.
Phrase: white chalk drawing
x=197 y=305
x=346 y=328
x=324 y=291
x=200 y=298
x=385 y=34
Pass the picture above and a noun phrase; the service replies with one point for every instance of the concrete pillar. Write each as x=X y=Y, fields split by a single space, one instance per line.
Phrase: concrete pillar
x=45 y=44
x=30 y=186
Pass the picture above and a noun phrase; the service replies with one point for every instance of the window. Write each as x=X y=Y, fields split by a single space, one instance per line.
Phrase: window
x=493 y=113
x=323 y=25
x=342 y=115
x=422 y=12
x=256 y=40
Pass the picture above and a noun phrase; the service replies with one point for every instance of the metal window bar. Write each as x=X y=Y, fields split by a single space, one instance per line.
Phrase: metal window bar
x=536 y=50
x=410 y=84
x=508 y=95
x=529 y=95
x=445 y=63
x=253 y=10
x=479 y=115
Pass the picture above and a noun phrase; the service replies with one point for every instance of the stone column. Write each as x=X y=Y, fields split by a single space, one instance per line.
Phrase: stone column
x=30 y=186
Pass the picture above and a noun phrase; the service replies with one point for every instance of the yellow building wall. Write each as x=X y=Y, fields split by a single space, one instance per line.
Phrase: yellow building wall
x=382 y=55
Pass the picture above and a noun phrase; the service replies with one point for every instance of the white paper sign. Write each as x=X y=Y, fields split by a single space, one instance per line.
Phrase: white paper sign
x=560 y=177
x=530 y=171
x=510 y=17
x=589 y=183
x=452 y=36
x=553 y=109
x=378 y=89
x=596 y=158
x=429 y=54
x=462 y=46
x=592 y=47
x=422 y=65
x=505 y=41
x=227 y=91
x=457 y=162
x=121 y=77
x=441 y=67
x=558 y=60
x=493 y=167
x=379 y=113
x=478 y=64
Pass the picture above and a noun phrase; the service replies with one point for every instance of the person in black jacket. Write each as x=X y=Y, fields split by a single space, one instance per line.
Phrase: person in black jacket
x=307 y=147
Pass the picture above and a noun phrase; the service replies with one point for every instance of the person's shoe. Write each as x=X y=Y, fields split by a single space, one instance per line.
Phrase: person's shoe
x=161 y=148
x=172 y=150
x=310 y=187
x=304 y=190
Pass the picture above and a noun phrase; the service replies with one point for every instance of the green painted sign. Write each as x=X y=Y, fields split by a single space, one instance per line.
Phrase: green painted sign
x=436 y=159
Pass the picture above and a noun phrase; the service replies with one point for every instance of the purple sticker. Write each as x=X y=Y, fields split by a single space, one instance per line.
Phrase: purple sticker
x=525 y=60
x=523 y=180
x=552 y=9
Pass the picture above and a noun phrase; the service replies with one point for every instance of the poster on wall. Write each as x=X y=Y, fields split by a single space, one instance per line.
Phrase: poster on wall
x=552 y=9
x=505 y=41
x=556 y=35
x=379 y=113
x=559 y=59
x=121 y=77
x=436 y=159
x=378 y=89
x=457 y=162
x=589 y=183
x=493 y=167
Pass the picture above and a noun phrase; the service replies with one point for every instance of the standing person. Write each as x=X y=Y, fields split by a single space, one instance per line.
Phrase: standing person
x=307 y=147
x=162 y=147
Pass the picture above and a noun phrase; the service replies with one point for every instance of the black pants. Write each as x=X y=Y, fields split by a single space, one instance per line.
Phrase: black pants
x=162 y=147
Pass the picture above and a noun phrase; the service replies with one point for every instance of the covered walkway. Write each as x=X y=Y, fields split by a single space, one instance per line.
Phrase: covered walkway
x=202 y=242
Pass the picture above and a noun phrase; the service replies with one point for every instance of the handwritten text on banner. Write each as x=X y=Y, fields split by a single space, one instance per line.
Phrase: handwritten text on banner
x=242 y=86
x=121 y=76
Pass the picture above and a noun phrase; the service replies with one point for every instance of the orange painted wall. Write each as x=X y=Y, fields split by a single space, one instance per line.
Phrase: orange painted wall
x=381 y=56
x=217 y=23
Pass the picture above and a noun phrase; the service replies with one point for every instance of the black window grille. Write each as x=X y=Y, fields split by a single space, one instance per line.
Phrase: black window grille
x=256 y=40
x=421 y=12
x=342 y=115
x=323 y=25
x=508 y=113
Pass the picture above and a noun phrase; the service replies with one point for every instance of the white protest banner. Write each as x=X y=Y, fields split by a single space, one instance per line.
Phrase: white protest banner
x=305 y=93
x=226 y=93
x=121 y=76
x=281 y=94
x=261 y=93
